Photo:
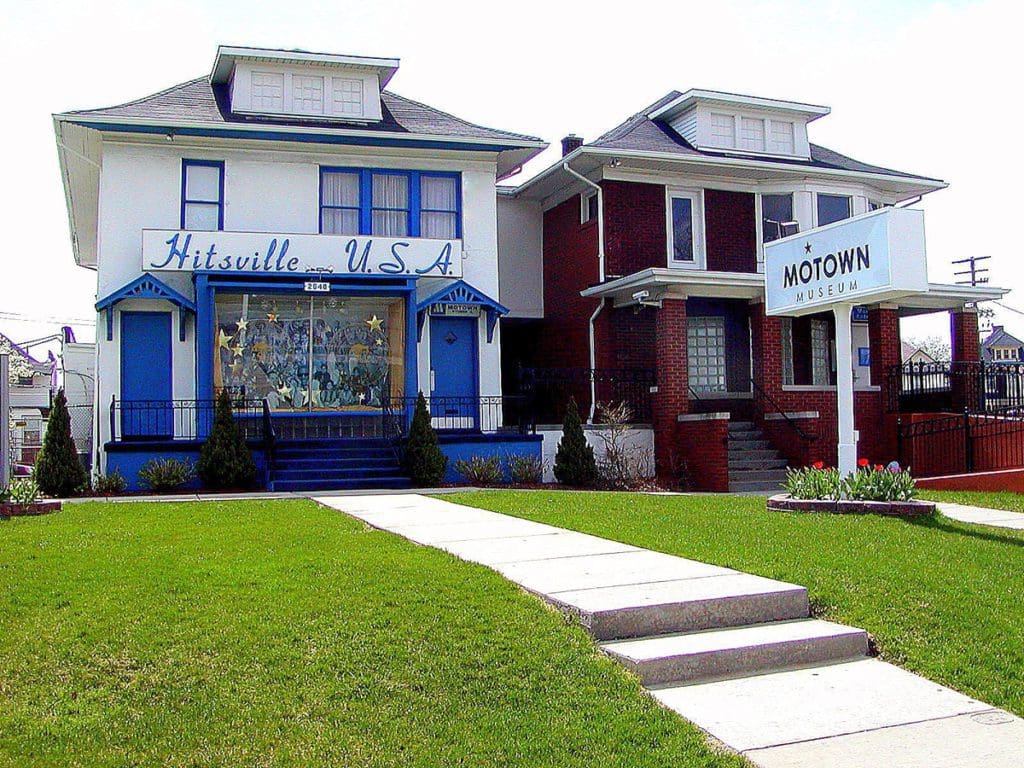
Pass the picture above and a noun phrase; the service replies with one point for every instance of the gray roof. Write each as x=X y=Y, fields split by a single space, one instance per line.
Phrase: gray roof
x=1000 y=337
x=199 y=101
x=640 y=133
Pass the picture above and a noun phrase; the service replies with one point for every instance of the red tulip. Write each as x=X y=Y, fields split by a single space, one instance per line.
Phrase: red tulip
x=879 y=467
x=818 y=465
x=862 y=462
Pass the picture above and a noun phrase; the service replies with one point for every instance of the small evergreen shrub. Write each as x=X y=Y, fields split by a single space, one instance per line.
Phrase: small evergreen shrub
x=574 y=460
x=167 y=474
x=110 y=485
x=58 y=470
x=225 y=461
x=526 y=470
x=480 y=470
x=423 y=460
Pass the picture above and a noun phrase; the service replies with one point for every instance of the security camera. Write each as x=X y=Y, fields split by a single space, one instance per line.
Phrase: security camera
x=641 y=295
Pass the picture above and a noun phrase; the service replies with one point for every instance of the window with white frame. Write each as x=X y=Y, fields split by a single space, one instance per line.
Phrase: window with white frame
x=777 y=217
x=833 y=208
x=588 y=206
x=723 y=130
x=705 y=353
x=308 y=94
x=820 y=366
x=267 y=91
x=686 y=219
x=202 y=195
x=782 y=137
x=752 y=134
x=347 y=96
x=439 y=207
x=786 y=327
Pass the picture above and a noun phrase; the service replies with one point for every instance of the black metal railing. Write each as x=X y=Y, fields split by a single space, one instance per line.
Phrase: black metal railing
x=761 y=394
x=141 y=420
x=487 y=413
x=268 y=436
x=961 y=443
x=548 y=390
x=975 y=386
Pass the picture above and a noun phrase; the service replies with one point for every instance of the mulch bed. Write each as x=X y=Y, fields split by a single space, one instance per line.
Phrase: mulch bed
x=8 y=509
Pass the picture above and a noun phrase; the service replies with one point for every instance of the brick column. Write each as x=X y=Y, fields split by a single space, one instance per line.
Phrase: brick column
x=884 y=343
x=965 y=352
x=673 y=396
x=877 y=423
x=766 y=338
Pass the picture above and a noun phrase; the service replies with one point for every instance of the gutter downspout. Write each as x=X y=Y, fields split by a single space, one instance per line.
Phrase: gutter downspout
x=600 y=272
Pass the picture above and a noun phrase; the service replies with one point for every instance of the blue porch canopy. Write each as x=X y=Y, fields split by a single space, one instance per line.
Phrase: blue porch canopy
x=145 y=286
x=440 y=292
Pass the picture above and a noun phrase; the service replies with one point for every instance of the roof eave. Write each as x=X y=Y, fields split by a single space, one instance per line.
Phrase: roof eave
x=810 y=111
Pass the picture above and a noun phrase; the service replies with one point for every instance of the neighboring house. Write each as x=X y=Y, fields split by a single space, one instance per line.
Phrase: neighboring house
x=651 y=249
x=910 y=354
x=1001 y=346
x=77 y=373
x=31 y=392
x=315 y=244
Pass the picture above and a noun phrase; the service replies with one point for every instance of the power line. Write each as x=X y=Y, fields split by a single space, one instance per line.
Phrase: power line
x=18 y=317
x=1012 y=309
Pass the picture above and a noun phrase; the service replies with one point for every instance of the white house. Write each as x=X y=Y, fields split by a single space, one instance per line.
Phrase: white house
x=287 y=229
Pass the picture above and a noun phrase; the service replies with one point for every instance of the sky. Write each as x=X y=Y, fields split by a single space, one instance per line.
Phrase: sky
x=924 y=87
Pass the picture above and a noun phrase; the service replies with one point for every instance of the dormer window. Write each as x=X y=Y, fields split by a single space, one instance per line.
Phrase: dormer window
x=752 y=134
x=783 y=137
x=268 y=91
x=347 y=94
x=723 y=130
x=308 y=94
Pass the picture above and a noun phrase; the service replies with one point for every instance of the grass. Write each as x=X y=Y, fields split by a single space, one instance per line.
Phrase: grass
x=280 y=633
x=941 y=598
x=992 y=499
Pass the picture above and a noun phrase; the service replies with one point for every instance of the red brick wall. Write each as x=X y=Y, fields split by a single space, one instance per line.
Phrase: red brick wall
x=672 y=397
x=632 y=335
x=703 y=449
x=1006 y=480
x=635 y=232
x=965 y=346
x=731 y=231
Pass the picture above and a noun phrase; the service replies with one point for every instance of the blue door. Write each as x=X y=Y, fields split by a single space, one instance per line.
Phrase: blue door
x=146 y=409
x=454 y=372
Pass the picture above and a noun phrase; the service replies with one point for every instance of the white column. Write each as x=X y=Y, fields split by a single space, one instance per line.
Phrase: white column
x=5 y=422
x=844 y=389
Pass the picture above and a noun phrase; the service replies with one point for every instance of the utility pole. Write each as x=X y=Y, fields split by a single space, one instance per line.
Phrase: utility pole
x=974 y=275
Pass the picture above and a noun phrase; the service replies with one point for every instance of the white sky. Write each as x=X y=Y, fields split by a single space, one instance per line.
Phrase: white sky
x=924 y=87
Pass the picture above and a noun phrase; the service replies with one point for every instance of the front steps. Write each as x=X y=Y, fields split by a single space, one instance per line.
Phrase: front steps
x=754 y=466
x=331 y=464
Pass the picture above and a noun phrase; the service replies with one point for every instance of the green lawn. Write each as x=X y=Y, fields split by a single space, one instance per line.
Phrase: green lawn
x=280 y=633
x=941 y=598
x=994 y=500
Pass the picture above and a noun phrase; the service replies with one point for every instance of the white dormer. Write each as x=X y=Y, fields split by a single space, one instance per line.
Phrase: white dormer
x=299 y=84
x=728 y=122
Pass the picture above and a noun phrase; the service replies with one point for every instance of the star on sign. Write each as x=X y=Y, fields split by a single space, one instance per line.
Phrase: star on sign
x=237 y=350
x=284 y=391
x=375 y=323
x=223 y=339
x=242 y=324
x=807 y=248
x=362 y=397
x=236 y=368
x=271 y=317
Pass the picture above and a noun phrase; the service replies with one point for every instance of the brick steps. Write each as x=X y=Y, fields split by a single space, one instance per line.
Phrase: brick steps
x=754 y=466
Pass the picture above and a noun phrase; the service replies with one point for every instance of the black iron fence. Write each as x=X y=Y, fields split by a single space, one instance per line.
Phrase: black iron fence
x=977 y=387
x=962 y=443
x=140 y=420
x=547 y=390
x=488 y=413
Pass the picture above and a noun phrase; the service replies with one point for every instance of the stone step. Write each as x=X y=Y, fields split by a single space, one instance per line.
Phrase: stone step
x=748 y=444
x=740 y=651
x=754 y=453
x=759 y=475
x=754 y=463
x=688 y=605
x=742 y=426
x=756 y=486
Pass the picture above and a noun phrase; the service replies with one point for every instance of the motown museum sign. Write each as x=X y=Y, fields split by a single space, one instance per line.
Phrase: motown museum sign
x=876 y=257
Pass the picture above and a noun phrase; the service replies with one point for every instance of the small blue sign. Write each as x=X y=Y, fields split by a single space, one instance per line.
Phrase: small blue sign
x=864 y=356
x=860 y=315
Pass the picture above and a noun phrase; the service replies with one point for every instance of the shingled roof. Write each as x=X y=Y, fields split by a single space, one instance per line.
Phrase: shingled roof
x=999 y=337
x=197 y=101
x=640 y=133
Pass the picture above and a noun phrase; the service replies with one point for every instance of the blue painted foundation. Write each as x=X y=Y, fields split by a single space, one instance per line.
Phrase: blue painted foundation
x=128 y=459
x=457 y=447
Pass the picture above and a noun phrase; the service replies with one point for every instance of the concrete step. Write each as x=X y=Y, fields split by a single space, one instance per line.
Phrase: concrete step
x=740 y=651
x=639 y=610
x=740 y=426
x=748 y=444
x=754 y=463
x=327 y=472
x=761 y=475
x=758 y=486
x=370 y=483
x=753 y=454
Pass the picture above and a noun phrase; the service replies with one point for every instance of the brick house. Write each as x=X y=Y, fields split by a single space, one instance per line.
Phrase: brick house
x=650 y=242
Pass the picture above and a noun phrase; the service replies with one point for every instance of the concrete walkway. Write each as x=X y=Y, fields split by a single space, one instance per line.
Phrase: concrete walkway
x=734 y=653
x=997 y=518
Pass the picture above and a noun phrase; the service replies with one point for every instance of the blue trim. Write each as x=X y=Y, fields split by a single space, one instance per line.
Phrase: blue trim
x=413 y=212
x=205 y=333
x=143 y=375
x=145 y=286
x=219 y=202
x=303 y=138
x=461 y=292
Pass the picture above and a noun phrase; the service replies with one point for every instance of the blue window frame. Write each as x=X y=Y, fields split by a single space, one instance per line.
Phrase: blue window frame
x=366 y=201
x=202 y=194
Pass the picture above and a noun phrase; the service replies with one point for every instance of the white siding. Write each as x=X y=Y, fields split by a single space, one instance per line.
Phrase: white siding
x=685 y=125
x=520 y=256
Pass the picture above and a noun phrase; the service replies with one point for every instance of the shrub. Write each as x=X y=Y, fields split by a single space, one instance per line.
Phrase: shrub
x=167 y=474
x=58 y=470
x=23 y=491
x=114 y=483
x=867 y=483
x=624 y=464
x=423 y=460
x=574 y=460
x=480 y=470
x=225 y=461
x=5 y=494
x=526 y=470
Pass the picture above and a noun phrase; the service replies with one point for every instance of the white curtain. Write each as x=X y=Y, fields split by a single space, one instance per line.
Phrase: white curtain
x=391 y=193
x=340 y=189
x=438 y=205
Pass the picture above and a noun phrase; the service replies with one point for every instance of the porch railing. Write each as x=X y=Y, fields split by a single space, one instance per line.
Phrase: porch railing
x=548 y=390
x=142 y=420
x=978 y=387
x=961 y=443
x=486 y=414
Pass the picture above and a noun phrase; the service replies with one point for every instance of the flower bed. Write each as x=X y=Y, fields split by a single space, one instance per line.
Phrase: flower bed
x=783 y=502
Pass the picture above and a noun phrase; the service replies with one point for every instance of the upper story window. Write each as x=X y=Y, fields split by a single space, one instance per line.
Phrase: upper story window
x=308 y=94
x=390 y=203
x=347 y=95
x=267 y=91
x=1004 y=353
x=588 y=206
x=833 y=208
x=202 y=194
x=777 y=217
x=782 y=139
x=723 y=130
x=686 y=220
x=752 y=133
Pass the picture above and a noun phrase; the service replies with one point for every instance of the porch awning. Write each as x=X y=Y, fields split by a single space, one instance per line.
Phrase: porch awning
x=662 y=283
x=439 y=292
x=145 y=286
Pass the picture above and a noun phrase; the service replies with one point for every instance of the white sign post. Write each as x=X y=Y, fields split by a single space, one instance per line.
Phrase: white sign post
x=878 y=256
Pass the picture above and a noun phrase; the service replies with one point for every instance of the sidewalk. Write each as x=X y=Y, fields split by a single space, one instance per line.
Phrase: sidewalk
x=736 y=654
x=997 y=518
